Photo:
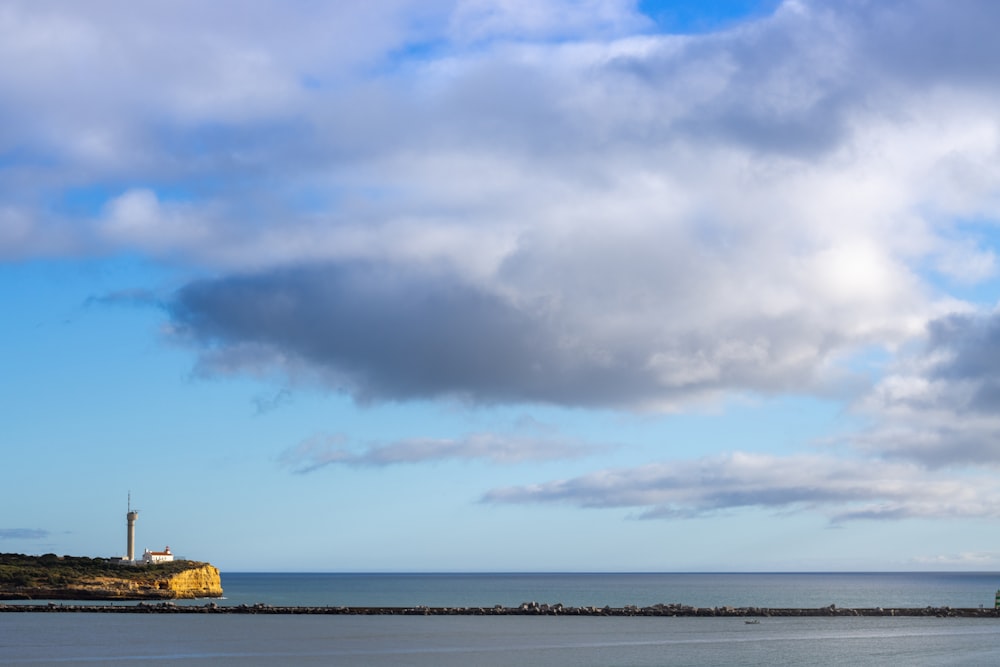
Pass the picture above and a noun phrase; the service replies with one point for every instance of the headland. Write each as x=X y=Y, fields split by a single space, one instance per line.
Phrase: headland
x=51 y=577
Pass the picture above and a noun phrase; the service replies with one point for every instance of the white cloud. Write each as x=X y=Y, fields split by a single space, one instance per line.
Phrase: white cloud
x=477 y=20
x=739 y=211
x=843 y=490
x=23 y=534
x=743 y=229
x=983 y=560
x=137 y=219
x=324 y=450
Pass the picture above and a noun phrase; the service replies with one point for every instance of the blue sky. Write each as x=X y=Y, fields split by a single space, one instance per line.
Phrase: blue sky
x=482 y=285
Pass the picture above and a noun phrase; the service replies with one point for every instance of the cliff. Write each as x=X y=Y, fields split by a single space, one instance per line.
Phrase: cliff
x=52 y=577
x=200 y=581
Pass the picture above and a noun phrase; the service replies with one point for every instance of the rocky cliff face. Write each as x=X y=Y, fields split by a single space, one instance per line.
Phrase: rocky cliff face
x=199 y=581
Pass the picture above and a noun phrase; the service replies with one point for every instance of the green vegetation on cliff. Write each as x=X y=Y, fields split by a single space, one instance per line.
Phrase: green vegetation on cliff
x=52 y=570
x=52 y=576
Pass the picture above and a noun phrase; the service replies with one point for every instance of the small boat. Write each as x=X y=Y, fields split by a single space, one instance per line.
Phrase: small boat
x=752 y=621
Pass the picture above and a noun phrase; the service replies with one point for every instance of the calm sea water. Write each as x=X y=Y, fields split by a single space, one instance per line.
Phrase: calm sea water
x=700 y=590
x=61 y=639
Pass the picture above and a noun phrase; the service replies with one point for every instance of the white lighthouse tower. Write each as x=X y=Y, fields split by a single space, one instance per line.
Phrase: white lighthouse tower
x=130 y=517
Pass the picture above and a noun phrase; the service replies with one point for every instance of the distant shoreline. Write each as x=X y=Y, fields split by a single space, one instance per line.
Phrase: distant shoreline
x=525 y=609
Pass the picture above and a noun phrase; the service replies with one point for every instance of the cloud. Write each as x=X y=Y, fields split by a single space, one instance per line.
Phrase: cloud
x=138 y=219
x=380 y=333
x=267 y=403
x=135 y=297
x=23 y=534
x=843 y=490
x=984 y=560
x=633 y=222
x=514 y=202
x=320 y=451
x=479 y=20
x=938 y=404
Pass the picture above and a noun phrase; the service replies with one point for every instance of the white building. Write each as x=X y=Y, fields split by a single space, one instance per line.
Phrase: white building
x=150 y=557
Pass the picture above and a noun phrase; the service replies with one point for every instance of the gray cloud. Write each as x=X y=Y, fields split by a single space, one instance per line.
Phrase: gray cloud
x=390 y=336
x=784 y=86
x=954 y=46
x=383 y=334
x=267 y=403
x=938 y=404
x=23 y=534
x=137 y=297
x=320 y=451
x=843 y=490
x=967 y=349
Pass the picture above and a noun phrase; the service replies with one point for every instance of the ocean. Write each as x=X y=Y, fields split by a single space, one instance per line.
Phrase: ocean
x=895 y=589
x=446 y=641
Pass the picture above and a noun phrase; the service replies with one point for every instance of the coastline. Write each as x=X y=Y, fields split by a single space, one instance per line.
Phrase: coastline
x=51 y=577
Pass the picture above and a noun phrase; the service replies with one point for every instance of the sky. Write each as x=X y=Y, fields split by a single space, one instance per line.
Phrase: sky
x=499 y=285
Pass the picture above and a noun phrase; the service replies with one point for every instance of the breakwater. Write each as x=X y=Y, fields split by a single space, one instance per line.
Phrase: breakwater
x=525 y=609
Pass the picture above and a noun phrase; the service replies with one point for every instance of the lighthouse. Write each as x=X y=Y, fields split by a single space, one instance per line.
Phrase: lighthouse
x=130 y=517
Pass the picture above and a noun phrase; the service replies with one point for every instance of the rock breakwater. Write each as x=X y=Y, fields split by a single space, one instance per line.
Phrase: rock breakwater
x=525 y=609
